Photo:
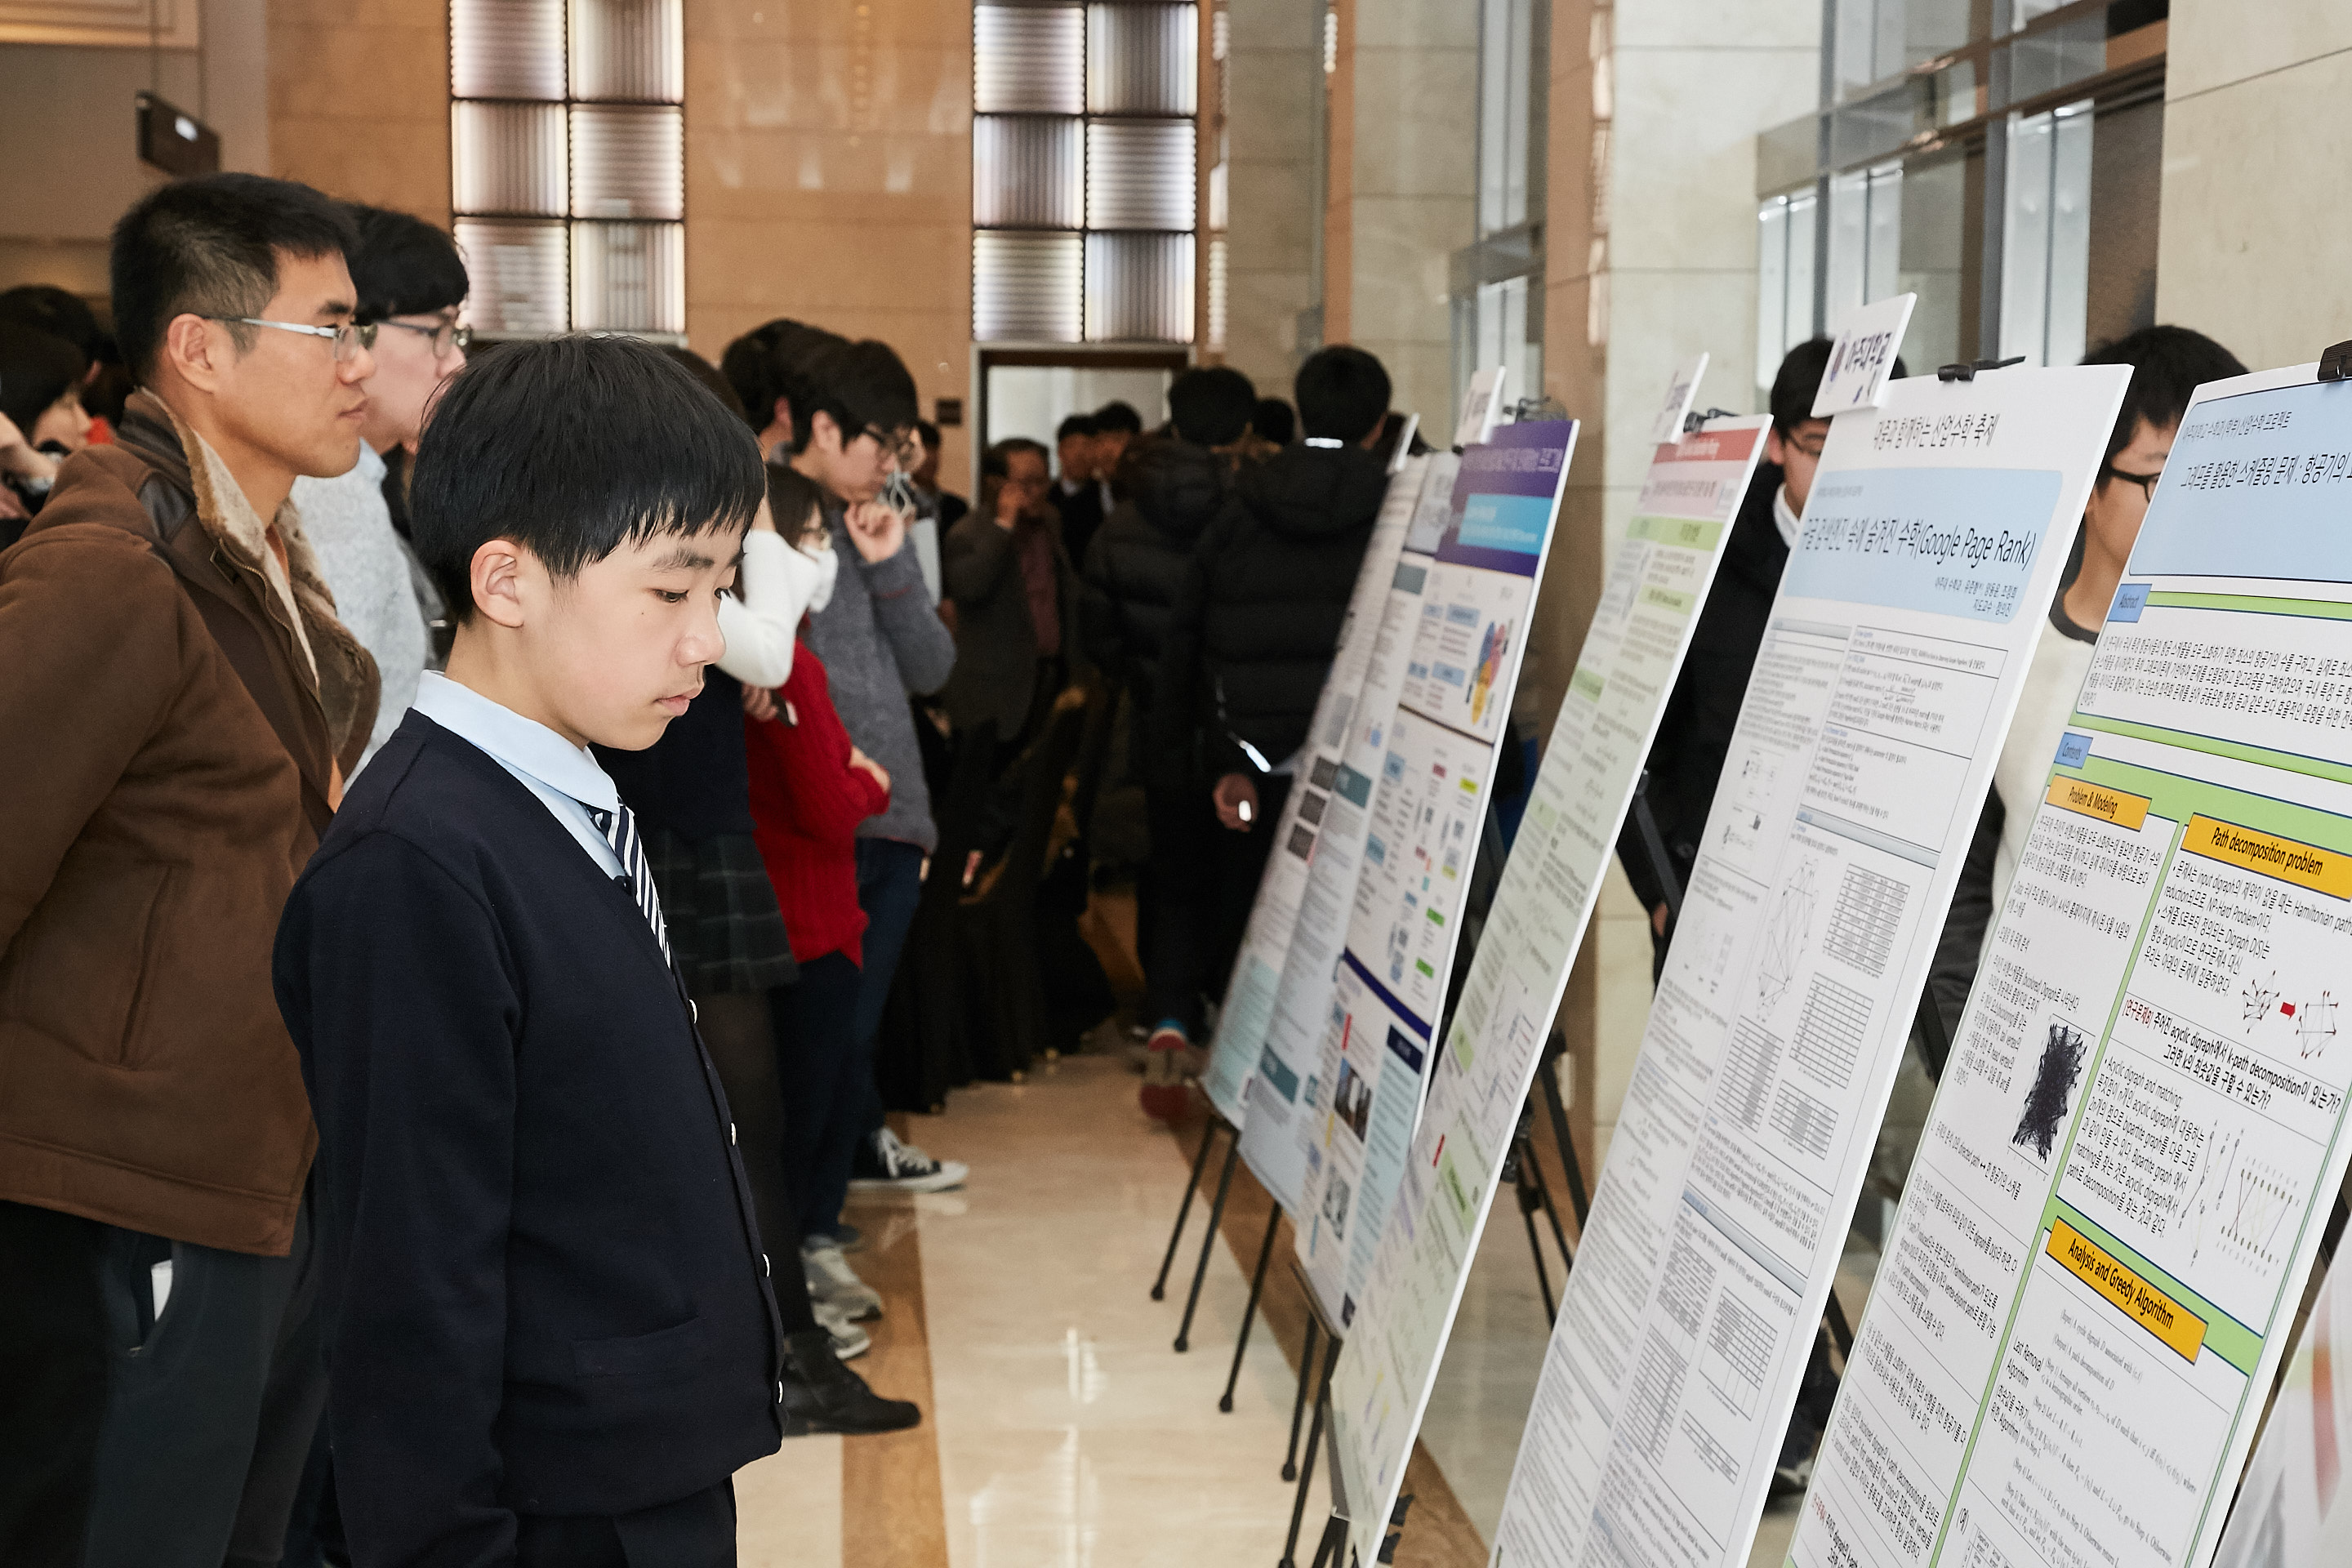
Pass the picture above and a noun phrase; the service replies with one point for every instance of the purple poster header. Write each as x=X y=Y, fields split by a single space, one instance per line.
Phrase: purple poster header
x=1505 y=497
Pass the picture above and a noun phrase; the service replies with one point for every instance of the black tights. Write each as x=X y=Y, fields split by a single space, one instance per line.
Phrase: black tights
x=742 y=1046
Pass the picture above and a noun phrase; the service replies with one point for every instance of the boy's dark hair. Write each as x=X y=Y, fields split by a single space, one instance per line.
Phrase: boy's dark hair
x=1274 y=421
x=2169 y=364
x=1076 y=425
x=1343 y=393
x=861 y=387
x=796 y=501
x=61 y=313
x=1117 y=418
x=402 y=266
x=1212 y=405
x=1798 y=381
x=770 y=361
x=37 y=368
x=209 y=247
x=996 y=463
x=572 y=448
x=703 y=371
x=928 y=434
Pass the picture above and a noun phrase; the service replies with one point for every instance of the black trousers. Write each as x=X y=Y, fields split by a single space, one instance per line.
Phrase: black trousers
x=697 y=1531
x=827 y=1082
x=144 y=1440
x=1195 y=900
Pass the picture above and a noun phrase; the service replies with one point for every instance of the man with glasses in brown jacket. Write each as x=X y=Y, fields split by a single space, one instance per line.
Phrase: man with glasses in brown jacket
x=180 y=708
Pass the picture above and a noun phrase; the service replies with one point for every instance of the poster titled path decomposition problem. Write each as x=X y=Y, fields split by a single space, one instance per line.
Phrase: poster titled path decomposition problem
x=1933 y=538
x=1407 y=1273
x=2129 y=1165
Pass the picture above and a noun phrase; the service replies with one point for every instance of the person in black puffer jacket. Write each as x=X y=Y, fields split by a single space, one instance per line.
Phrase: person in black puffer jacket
x=1172 y=487
x=1249 y=642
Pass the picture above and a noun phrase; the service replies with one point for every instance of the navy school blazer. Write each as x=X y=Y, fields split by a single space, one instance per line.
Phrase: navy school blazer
x=544 y=1281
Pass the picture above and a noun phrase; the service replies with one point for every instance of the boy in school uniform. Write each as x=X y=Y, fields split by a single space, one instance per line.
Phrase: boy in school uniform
x=553 y=1339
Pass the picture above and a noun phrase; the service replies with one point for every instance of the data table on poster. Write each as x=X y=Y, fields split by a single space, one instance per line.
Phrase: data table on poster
x=2128 y=1166
x=1405 y=1275
x=1933 y=535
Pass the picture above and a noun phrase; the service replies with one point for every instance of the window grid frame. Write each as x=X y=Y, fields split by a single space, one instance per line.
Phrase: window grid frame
x=568 y=221
x=1085 y=120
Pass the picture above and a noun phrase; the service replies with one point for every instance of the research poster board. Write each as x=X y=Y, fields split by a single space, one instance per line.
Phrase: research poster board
x=1281 y=892
x=1931 y=544
x=1362 y=1029
x=1419 y=1258
x=2293 y=1509
x=2130 y=1161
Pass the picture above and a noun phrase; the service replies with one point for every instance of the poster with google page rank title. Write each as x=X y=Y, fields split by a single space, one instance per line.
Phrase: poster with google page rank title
x=1406 y=1275
x=1932 y=542
x=1429 y=780
x=1308 y=831
x=2129 y=1165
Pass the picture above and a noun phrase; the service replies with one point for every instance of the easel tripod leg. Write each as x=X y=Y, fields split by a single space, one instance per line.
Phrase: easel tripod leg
x=1314 y=1442
x=1249 y=1312
x=1184 y=1209
x=1334 y=1542
x=1299 y=1402
x=1208 y=1245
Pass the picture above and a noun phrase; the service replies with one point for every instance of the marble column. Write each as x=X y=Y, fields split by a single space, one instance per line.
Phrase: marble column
x=2252 y=229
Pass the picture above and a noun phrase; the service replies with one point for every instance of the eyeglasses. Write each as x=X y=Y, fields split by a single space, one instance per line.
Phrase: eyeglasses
x=900 y=445
x=445 y=335
x=1810 y=445
x=348 y=339
x=2147 y=482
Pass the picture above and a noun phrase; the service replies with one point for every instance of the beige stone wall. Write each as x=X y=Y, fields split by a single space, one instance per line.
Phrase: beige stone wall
x=71 y=165
x=1410 y=112
x=828 y=178
x=359 y=100
x=1273 y=56
x=2254 y=229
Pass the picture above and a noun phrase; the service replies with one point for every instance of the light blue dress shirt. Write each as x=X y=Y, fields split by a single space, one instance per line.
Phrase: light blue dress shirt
x=565 y=777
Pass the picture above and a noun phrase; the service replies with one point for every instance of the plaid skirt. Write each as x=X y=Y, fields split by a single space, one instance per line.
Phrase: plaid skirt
x=725 y=929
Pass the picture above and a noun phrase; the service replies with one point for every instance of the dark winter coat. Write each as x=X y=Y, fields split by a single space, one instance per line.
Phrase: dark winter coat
x=1259 y=619
x=1135 y=568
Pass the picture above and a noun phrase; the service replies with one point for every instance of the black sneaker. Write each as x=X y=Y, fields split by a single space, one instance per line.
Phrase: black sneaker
x=822 y=1396
x=886 y=1165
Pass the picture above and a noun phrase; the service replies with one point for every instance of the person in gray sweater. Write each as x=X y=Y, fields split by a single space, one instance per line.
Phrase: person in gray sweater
x=843 y=415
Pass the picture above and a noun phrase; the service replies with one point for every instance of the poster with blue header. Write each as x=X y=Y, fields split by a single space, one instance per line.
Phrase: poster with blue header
x=1893 y=658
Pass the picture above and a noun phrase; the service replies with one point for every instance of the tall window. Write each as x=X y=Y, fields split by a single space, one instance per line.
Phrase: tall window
x=567 y=143
x=2002 y=162
x=1084 y=173
x=1497 y=284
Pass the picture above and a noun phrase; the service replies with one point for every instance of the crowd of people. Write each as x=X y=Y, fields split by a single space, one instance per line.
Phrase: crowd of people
x=476 y=805
x=475 y=800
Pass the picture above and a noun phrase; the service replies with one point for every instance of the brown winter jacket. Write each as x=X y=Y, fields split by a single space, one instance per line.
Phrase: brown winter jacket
x=173 y=760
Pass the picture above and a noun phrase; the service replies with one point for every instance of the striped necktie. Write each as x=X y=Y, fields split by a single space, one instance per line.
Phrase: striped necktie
x=620 y=831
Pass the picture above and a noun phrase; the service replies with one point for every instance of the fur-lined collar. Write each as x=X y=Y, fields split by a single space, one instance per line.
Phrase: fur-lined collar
x=342 y=673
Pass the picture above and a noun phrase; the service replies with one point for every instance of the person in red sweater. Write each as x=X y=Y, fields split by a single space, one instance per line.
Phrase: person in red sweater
x=810 y=789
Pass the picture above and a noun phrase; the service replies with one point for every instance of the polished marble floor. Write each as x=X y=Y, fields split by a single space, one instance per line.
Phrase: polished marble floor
x=1061 y=1430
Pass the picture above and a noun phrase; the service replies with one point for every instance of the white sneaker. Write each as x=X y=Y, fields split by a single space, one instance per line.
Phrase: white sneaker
x=832 y=1283
x=887 y=1165
x=849 y=1341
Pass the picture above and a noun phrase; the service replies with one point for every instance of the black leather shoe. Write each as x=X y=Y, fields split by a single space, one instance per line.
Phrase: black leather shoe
x=822 y=1396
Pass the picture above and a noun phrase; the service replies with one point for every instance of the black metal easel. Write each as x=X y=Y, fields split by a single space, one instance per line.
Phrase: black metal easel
x=1216 y=1124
